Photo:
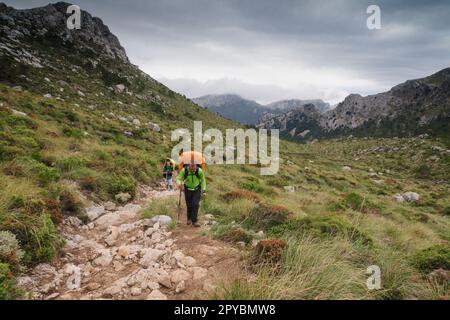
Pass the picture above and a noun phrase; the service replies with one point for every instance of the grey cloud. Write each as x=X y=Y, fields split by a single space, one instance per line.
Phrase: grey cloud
x=171 y=38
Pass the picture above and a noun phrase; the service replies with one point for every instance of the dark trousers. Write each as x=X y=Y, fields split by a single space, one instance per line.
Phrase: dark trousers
x=192 y=203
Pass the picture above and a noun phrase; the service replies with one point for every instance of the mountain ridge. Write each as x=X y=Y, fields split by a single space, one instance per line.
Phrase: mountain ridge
x=410 y=108
x=245 y=111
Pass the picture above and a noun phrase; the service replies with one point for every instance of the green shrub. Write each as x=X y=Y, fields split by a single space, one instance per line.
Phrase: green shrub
x=71 y=116
x=446 y=211
x=72 y=132
x=89 y=183
x=253 y=186
x=71 y=163
x=321 y=226
x=422 y=172
x=357 y=202
x=30 y=167
x=101 y=155
x=47 y=175
x=10 y=251
x=276 y=182
x=7 y=288
x=266 y=216
x=436 y=257
x=70 y=204
x=117 y=184
x=36 y=234
x=233 y=234
x=241 y=194
x=19 y=121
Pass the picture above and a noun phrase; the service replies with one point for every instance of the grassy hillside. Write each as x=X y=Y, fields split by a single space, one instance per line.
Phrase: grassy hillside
x=337 y=223
x=68 y=137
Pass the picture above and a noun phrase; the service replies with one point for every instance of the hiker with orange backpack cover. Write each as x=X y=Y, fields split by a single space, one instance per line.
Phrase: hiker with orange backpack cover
x=193 y=177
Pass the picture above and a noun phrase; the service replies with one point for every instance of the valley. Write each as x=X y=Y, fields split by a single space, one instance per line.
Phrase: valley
x=84 y=133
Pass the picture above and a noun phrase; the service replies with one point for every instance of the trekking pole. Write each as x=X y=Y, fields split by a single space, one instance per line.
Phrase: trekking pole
x=179 y=206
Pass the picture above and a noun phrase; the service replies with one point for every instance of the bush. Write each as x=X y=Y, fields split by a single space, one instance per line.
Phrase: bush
x=7 y=289
x=47 y=175
x=422 y=172
x=14 y=168
x=232 y=234
x=70 y=163
x=277 y=182
x=266 y=216
x=359 y=203
x=436 y=257
x=53 y=208
x=446 y=211
x=26 y=167
x=269 y=251
x=73 y=132
x=10 y=251
x=70 y=205
x=89 y=183
x=37 y=235
x=117 y=184
x=19 y=121
x=253 y=186
x=321 y=226
x=241 y=194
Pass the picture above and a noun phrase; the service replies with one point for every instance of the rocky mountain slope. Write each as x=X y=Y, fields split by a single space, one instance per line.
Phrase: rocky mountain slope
x=414 y=107
x=249 y=112
x=287 y=105
x=232 y=107
x=49 y=23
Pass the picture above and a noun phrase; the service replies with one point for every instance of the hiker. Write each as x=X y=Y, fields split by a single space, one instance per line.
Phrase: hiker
x=167 y=173
x=194 y=185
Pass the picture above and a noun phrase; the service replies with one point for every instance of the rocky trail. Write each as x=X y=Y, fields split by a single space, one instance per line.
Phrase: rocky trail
x=118 y=255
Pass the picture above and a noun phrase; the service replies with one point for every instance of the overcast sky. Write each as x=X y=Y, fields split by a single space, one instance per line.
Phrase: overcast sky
x=269 y=50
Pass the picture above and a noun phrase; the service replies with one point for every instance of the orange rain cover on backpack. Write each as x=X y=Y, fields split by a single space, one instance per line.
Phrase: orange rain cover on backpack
x=192 y=156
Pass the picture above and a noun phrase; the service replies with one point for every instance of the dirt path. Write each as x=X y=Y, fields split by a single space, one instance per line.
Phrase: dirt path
x=120 y=256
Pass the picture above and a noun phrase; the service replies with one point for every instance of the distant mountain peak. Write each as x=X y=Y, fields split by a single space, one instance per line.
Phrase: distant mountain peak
x=246 y=111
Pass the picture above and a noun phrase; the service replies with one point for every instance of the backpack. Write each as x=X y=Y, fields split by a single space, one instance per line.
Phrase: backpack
x=186 y=171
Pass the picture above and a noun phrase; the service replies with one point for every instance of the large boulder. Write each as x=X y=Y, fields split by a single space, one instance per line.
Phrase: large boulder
x=411 y=196
x=180 y=275
x=399 y=198
x=104 y=260
x=120 y=88
x=163 y=220
x=150 y=256
x=95 y=212
x=154 y=127
x=109 y=219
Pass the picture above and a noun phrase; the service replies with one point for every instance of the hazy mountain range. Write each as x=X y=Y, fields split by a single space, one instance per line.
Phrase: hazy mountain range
x=249 y=112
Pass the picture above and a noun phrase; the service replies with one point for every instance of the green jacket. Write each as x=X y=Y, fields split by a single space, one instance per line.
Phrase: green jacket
x=192 y=182
x=168 y=171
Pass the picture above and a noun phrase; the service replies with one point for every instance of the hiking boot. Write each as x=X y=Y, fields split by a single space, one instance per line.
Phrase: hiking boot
x=196 y=224
x=189 y=222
